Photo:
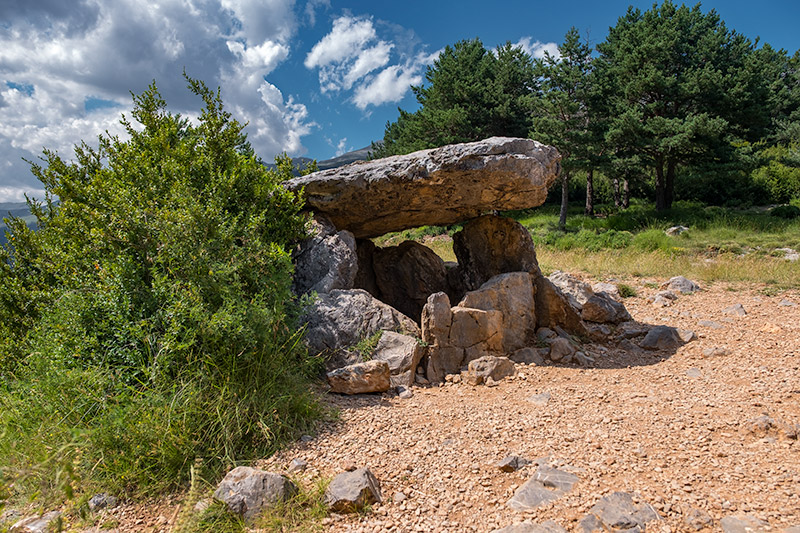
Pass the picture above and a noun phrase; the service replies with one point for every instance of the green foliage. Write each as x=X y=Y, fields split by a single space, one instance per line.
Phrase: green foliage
x=471 y=94
x=626 y=291
x=780 y=172
x=164 y=331
x=785 y=211
x=366 y=346
x=680 y=85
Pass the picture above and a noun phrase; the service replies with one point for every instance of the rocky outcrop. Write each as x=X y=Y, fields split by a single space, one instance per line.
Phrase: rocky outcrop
x=492 y=245
x=487 y=368
x=361 y=378
x=546 y=485
x=618 y=512
x=432 y=187
x=402 y=353
x=554 y=310
x=352 y=491
x=325 y=261
x=407 y=274
x=248 y=491
x=512 y=295
x=340 y=319
x=496 y=319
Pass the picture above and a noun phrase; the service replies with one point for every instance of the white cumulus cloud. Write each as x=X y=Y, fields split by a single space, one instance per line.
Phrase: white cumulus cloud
x=352 y=56
x=390 y=85
x=537 y=49
x=66 y=74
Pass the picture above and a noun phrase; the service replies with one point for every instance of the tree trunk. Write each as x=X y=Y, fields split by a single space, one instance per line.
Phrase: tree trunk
x=626 y=199
x=661 y=193
x=615 y=183
x=562 y=218
x=589 y=210
x=669 y=183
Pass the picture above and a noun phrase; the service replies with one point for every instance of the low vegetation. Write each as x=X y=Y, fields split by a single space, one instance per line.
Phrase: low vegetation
x=724 y=244
x=163 y=333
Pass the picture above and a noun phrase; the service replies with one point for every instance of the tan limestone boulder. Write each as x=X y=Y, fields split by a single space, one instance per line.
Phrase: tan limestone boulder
x=361 y=378
x=441 y=186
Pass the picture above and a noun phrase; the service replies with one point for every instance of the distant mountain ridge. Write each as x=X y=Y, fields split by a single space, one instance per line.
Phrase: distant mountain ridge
x=362 y=154
x=14 y=209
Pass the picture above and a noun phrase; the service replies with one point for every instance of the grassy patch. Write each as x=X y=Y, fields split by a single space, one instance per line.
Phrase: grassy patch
x=721 y=244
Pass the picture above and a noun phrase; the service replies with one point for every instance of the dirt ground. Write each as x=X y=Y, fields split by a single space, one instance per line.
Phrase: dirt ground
x=712 y=426
x=681 y=430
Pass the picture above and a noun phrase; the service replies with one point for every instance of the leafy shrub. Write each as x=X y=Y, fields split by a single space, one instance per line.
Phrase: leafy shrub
x=785 y=211
x=626 y=291
x=152 y=322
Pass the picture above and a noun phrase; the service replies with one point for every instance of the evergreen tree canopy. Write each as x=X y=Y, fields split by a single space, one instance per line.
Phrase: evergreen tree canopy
x=471 y=93
x=681 y=85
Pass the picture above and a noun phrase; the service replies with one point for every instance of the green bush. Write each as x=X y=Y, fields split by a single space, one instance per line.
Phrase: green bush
x=785 y=211
x=151 y=318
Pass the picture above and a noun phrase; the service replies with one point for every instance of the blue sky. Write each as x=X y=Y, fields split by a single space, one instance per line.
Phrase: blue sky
x=312 y=77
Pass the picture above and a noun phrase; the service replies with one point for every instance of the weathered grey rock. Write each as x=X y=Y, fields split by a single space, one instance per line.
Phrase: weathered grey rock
x=736 y=310
x=546 y=485
x=554 y=310
x=402 y=353
x=674 y=231
x=760 y=425
x=713 y=324
x=545 y=333
x=340 y=319
x=361 y=378
x=432 y=187
x=37 y=524
x=540 y=400
x=576 y=291
x=492 y=245
x=665 y=338
x=602 y=308
x=743 y=524
x=681 y=284
x=437 y=319
x=631 y=329
x=664 y=299
x=489 y=367
x=102 y=501
x=527 y=356
x=608 y=288
x=599 y=332
x=618 y=512
x=697 y=519
x=407 y=274
x=325 y=261
x=512 y=295
x=512 y=463
x=561 y=348
x=297 y=465
x=352 y=491
x=248 y=491
x=530 y=527
x=786 y=303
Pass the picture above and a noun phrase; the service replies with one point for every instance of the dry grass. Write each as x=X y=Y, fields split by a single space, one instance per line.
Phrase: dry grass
x=625 y=263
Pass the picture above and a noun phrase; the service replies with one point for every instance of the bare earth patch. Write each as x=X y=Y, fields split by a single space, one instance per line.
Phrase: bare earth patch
x=682 y=430
x=711 y=427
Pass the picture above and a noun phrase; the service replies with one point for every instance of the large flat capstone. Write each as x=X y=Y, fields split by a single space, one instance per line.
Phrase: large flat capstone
x=432 y=187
